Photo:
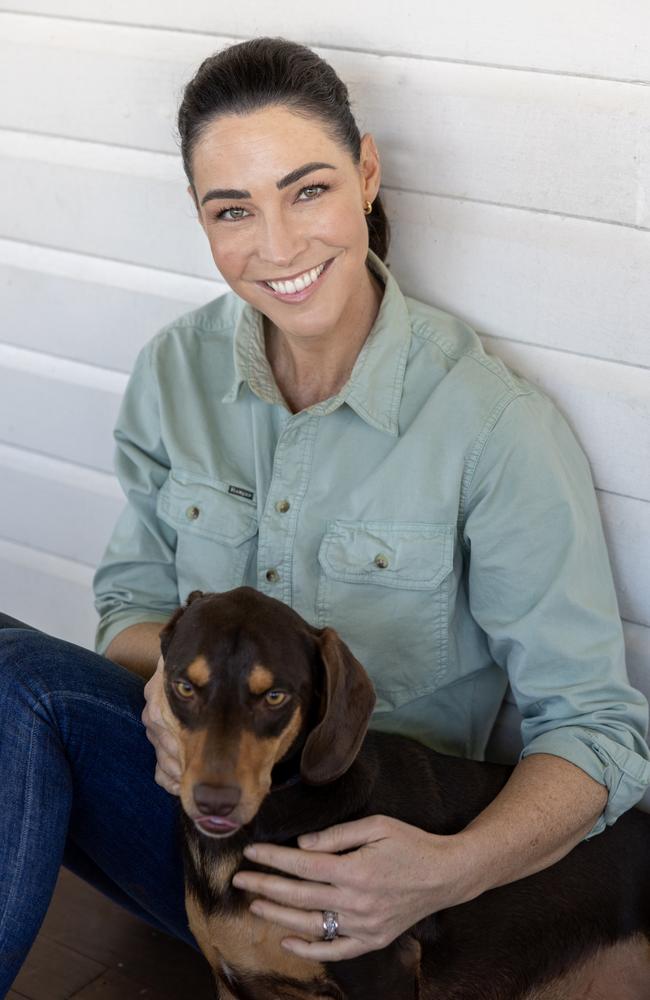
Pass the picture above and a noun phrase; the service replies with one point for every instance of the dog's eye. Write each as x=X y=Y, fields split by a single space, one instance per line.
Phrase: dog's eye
x=275 y=698
x=184 y=689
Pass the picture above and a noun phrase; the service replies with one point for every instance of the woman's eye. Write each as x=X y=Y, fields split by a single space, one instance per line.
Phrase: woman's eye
x=275 y=698
x=232 y=214
x=312 y=191
x=184 y=689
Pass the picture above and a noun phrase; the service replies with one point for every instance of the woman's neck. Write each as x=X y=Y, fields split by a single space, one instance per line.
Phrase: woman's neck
x=309 y=370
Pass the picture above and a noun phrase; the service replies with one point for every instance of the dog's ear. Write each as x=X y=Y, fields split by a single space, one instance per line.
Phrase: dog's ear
x=348 y=701
x=168 y=630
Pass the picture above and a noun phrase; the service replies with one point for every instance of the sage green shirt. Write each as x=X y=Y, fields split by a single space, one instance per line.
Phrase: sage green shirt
x=437 y=512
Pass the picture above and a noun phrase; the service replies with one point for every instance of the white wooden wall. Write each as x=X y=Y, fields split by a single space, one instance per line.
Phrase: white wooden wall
x=515 y=141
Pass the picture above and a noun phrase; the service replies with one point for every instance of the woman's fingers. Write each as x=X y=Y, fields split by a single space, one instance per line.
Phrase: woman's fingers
x=161 y=733
x=291 y=892
x=306 y=923
x=345 y=836
x=169 y=764
x=166 y=781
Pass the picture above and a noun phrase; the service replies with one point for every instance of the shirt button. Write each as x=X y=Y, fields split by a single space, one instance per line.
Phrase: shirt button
x=272 y=575
x=192 y=513
x=381 y=561
x=282 y=506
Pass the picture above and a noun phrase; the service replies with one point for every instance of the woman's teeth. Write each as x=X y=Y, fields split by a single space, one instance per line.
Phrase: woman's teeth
x=297 y=284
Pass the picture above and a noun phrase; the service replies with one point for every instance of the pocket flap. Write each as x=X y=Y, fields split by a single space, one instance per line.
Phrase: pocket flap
x=205 y=508
x=414 y=556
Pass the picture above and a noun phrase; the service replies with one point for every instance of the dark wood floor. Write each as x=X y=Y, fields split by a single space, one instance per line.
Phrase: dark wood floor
x=91 y=949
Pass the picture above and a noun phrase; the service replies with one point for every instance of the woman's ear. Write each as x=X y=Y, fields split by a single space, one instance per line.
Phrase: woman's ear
x=370 y=168
x=168 y=631
x=348 y=701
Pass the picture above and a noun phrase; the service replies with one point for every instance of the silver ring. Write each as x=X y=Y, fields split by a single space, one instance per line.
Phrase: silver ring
x=330 y=925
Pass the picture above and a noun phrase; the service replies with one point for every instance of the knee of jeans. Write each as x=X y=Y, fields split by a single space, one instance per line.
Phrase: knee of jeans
x=25 y=656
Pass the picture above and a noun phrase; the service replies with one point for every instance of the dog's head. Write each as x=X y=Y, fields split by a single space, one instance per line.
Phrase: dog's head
x=252 y=685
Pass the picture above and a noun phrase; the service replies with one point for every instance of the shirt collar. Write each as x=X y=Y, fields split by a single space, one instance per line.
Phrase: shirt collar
x=374 y=389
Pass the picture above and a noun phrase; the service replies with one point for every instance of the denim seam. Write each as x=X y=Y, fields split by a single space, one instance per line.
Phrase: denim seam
x=79 y=696
x=20 y=859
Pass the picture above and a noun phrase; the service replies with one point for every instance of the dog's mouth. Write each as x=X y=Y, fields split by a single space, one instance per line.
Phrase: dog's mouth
x=216 y=826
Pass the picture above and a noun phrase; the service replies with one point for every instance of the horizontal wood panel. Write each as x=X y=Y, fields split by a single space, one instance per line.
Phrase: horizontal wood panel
x=81 y=320
x=51 y=593
x=583 y=36
x=59 y=408
x=127 y=205
x=563 y=283
x=66 y=510
x=90 y=309
x=527 y=139
x=627 y=528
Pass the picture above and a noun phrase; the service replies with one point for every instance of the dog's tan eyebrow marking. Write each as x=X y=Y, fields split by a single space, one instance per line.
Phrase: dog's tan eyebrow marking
x=198 y=671
x=260 y=679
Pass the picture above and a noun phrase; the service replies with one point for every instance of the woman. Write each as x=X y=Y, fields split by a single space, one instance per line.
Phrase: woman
x=357 y=455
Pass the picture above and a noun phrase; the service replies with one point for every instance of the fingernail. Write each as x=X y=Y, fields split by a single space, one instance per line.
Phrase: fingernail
x=250 y=852
x=254 y=908
x=307 y=840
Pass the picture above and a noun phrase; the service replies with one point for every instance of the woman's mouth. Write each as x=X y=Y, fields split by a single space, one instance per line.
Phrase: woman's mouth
x=300 y=287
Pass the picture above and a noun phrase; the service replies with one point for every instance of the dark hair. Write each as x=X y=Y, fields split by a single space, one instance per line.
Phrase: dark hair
x=266 y=71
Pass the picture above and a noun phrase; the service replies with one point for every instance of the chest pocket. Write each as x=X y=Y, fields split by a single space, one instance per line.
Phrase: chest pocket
x=216 y=532
x=385 y=588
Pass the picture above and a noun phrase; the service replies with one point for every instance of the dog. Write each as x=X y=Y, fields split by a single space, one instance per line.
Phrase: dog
x=273 y=718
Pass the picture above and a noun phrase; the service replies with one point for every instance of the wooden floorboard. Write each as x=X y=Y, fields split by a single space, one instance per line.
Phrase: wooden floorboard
x=91 y=949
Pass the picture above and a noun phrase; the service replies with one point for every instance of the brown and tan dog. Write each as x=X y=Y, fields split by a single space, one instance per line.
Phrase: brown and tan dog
x=273 y=716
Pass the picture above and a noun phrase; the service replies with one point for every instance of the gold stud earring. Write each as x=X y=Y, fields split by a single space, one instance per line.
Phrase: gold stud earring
x=367 y=208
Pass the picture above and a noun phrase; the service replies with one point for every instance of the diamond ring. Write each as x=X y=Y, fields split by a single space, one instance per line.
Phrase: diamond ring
x=330 y=925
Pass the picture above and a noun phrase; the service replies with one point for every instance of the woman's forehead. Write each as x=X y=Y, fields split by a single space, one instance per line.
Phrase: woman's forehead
x=261 y=146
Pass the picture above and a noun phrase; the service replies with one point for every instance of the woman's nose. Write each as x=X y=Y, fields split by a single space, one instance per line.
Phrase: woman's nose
x=281 y=243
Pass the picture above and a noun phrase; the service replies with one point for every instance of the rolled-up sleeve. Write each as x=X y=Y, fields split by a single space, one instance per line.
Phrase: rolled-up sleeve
x=136 y=579
x=540 y=586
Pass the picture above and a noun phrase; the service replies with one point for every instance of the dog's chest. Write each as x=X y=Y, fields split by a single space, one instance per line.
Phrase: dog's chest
x=236 y=942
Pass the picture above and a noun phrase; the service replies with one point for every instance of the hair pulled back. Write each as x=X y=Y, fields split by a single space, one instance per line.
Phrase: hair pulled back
x=252 y=75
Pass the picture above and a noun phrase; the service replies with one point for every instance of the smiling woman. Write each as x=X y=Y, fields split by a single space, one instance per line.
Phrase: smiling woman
x=354 y=453
x=294 y=251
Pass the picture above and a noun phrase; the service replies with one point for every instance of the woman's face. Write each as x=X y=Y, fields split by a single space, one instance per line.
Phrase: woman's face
x=278 y=198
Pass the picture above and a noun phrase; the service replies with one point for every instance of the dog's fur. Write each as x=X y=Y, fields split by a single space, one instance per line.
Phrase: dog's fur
x=277 y=771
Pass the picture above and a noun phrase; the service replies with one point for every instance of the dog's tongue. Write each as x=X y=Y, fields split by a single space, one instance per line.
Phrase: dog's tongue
x=216 y=824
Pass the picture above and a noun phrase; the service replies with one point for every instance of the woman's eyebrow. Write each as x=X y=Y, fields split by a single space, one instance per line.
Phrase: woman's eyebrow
x=290 y=178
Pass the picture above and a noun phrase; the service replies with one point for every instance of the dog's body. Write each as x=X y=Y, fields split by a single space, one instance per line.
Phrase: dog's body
x=511 y=943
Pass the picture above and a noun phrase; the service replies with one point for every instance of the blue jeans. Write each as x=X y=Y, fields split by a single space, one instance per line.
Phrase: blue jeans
x=77 y=788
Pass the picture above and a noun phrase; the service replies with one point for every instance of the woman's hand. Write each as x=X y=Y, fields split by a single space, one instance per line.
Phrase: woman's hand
x=162 y=731
x=397 y=875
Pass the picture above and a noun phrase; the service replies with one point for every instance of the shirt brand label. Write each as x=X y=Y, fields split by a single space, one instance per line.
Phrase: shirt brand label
x=239 y=491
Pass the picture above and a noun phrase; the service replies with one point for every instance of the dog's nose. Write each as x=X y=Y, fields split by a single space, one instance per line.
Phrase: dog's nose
x=216 y=800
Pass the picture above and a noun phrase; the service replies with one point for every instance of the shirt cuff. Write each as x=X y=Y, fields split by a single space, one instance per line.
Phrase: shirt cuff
x=112 y=625
x=624 y=772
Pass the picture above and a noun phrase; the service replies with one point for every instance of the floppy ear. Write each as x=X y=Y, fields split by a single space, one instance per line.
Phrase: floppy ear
x=349 y=699
x=168 y=630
